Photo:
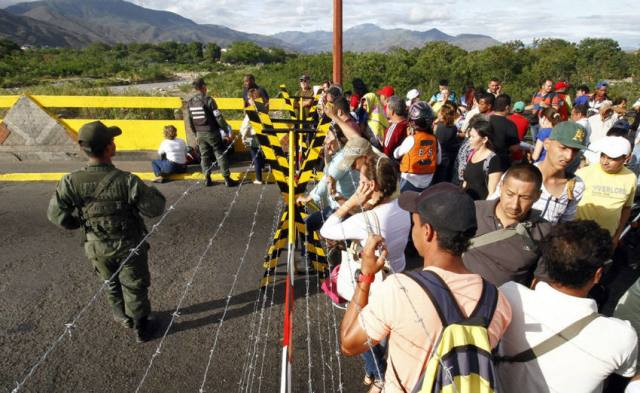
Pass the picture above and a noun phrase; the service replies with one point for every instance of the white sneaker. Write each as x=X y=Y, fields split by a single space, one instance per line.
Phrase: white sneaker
x=257 y=182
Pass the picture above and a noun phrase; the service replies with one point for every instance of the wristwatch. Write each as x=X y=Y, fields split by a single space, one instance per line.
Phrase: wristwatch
x=366 y=278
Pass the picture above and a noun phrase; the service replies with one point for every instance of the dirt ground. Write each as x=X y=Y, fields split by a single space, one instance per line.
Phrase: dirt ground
x=45 y=280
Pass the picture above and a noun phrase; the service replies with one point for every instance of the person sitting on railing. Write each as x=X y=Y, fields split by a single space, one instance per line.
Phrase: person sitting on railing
x=173 y=156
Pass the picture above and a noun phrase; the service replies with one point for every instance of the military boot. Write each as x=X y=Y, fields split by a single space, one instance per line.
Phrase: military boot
x=120 y=317
x=209 y=182
x=144 y=329
x=229 y=182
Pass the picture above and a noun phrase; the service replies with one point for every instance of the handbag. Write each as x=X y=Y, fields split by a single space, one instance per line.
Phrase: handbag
x=346 y=282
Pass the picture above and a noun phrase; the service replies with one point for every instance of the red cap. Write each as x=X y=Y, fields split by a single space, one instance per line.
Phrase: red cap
x=386 y=91
x=562 y=85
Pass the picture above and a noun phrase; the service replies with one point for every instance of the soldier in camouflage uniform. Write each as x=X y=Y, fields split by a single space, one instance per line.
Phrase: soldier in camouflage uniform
x=206 y=120
x=107 y=203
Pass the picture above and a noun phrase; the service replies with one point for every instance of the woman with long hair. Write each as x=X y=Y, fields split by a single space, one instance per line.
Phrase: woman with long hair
x=375 y=210
x=483 y=170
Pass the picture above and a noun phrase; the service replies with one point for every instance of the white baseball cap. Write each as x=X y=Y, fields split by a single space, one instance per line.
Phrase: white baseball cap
x=411 y=94
x=614 y=146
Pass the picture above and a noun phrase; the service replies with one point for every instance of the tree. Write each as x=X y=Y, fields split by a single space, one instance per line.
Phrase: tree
x=8 y=47
x=601 y=58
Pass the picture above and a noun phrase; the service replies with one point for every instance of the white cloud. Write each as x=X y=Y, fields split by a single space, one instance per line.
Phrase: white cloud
x=569 y=19
x=420 y=14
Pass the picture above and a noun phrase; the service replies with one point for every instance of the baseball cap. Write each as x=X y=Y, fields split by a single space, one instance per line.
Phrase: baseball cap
x=561 y=85
x=614 y=146
x=95 y=136
x=386 y=91
x=305 y=77
x=411 y=94
x=570 y=134
x=356 y=147
x=445 y=206
x=602 y=84
x=621 y=124
x=518 y=107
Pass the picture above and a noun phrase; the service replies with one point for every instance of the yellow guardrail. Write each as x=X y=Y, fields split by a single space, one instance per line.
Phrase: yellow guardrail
x=136 y=134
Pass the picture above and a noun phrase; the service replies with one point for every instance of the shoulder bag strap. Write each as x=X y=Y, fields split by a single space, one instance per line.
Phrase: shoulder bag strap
x=552 y=342
x=492 y=237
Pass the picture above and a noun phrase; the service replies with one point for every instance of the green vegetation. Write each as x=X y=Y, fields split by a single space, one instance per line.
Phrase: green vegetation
x=521 y=68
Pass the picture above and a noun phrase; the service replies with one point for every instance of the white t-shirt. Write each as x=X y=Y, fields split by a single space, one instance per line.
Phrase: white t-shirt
x=605 y=346
x=599 y=128
x=395 y=225
x=174 y=149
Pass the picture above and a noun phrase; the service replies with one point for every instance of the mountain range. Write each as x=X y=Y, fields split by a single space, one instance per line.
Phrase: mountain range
x=77 y=23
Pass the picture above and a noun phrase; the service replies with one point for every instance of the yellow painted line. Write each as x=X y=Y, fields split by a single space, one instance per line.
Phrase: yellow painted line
x=56 y=176
x=8 y=101
x=136 y=134
x=107 y=102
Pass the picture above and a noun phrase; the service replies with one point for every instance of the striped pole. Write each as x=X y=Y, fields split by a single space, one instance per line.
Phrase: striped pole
x=287 y=345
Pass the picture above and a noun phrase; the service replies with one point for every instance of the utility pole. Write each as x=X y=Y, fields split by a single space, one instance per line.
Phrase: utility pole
x=337 y=41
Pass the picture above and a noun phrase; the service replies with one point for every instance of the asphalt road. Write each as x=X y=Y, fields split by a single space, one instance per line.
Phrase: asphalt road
x=45 y=280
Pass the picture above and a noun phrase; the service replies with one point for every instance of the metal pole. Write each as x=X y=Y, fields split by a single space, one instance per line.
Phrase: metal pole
x=287 y=345
x=337 y=41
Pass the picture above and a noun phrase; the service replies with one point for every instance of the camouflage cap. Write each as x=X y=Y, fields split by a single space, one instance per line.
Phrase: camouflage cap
x=570 y=134
x=96 y=136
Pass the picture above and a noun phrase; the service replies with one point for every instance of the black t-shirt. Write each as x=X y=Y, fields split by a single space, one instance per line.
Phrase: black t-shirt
x=476 y=178
x=449 y=142
x=505 y=135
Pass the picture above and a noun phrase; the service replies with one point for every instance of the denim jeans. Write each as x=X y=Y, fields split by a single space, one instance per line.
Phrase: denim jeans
x=378 y=352
x=314 y=222
x=405 y=185
x=258 y=161
x=166 y=167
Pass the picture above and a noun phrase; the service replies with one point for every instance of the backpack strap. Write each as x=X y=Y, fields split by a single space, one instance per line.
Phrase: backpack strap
x=552 y=342
x=483 y=313
x=571 y=185
x=440 y=295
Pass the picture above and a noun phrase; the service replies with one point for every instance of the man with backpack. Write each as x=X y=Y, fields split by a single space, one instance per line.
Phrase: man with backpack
x=421 y=314
x=206 y=121
x=557 y=341
x=505 y=247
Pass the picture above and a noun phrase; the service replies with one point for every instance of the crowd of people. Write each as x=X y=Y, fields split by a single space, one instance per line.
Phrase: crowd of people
x=515 y=234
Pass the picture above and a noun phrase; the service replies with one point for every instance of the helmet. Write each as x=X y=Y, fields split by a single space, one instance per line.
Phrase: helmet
x=421 y=114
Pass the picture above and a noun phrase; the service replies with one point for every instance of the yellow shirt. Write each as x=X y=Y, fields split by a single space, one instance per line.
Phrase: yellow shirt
x=605 y=195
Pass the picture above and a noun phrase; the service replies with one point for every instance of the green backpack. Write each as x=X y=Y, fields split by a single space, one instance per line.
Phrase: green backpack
x=463 y=347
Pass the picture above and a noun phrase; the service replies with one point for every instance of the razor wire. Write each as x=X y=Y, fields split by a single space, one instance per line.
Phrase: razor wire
x=70 y=326
x=329 y=302
x=189 y=283
x=257 y=302
x=233 y=284
x=257 y=333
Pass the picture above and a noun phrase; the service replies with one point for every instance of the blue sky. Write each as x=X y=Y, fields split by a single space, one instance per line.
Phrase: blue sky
x=504 y=20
